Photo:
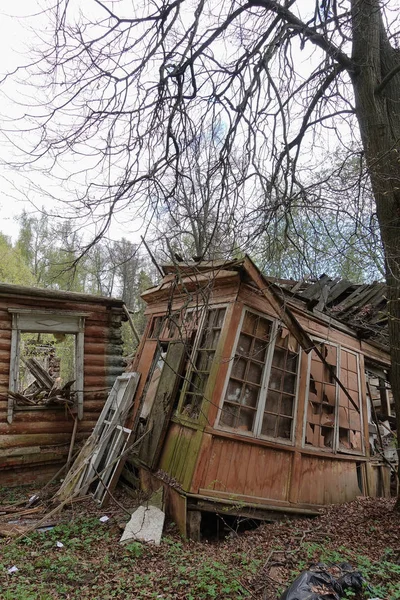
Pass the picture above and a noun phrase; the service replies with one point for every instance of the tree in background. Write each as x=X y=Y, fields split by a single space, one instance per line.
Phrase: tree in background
x=13 y=266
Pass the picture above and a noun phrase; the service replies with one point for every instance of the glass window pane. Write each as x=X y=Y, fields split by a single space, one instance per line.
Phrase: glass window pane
x=244 y=345
x=289 y=383
x=255 y=373
x=278 y=359
x=291 y=362
x=234 y=391
x=260 y=350
x=263 y=329
x=229 y=415
x=287 y=403
x=275 y=380
x=284 y=427
x=250 y=323
x=269 y=425
x=272 y=403
x=250 y=395
x=239 y=368
x=246 y=419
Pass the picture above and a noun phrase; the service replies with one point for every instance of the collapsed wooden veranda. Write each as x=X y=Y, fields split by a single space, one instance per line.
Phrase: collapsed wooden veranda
x=258 y=396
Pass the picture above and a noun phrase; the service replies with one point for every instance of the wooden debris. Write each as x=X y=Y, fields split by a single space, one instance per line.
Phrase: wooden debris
x=45 y=390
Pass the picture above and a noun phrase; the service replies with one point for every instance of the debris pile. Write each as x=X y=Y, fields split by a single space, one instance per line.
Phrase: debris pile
x=44 y=390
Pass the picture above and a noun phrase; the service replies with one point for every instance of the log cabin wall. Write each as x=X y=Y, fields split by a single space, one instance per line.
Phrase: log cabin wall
x=34 y=445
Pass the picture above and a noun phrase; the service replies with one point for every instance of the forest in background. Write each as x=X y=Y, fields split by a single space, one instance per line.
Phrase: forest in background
x=51 y=253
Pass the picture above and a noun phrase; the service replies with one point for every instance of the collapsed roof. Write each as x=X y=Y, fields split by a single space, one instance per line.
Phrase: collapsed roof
x=361 y=307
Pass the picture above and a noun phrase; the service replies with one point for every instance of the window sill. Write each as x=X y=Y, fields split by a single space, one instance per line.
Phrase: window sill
x=41 y=408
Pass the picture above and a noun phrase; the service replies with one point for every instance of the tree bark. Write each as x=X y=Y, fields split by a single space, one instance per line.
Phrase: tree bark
x=378 y=113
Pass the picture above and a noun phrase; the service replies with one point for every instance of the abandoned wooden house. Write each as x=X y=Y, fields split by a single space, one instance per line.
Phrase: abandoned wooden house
x=60 y=352
x=254 y=393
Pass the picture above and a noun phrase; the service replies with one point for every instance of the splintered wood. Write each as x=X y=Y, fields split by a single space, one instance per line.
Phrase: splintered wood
x=44 y=390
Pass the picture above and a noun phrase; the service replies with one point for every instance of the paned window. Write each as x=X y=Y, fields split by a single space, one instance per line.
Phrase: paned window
x=333 y=421
x=244 y=385
x=261 y=390
x=46 y=353
x=165 y=327
x=201 y=360
x=281 y=395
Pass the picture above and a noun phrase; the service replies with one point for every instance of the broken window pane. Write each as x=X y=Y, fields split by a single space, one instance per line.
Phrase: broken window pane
x=325 y=422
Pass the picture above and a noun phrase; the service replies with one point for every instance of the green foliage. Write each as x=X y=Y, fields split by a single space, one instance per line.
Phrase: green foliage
x=13 y=266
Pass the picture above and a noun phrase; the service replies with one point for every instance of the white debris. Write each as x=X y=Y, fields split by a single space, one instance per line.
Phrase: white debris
x=104 y=519
x=145 y=525
x=59 y=545
x=12 y=570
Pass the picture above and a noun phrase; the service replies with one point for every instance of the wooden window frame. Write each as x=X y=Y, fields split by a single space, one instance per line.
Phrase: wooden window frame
x=262 y=400
x=193 y=355
x=335 y=450
x=46 y=321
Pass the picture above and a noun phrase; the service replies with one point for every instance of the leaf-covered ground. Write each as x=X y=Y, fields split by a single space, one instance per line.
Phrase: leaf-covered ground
x=91 y=564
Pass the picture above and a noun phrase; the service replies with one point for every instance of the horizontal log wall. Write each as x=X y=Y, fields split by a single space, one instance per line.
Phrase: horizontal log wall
x=48 y=430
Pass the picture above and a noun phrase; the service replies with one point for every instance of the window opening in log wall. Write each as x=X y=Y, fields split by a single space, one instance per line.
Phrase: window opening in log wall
x=55 y=354
x=332 y=421
x=261 y=391
x=46 y=365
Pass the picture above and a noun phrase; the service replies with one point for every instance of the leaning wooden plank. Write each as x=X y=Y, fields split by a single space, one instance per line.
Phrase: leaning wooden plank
x=74 y=475
x=162 y=407
x=40 y=374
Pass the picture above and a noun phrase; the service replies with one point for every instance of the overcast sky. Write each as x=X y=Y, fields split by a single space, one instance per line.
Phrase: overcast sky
x=19 y=24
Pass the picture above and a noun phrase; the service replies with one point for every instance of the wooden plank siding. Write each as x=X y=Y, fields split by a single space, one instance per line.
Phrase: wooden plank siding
x=208 y=461
x=49 y=429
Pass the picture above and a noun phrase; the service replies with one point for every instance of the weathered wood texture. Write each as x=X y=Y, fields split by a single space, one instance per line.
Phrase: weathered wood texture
x=45 y=428
x=158 y=419
x=210 y=462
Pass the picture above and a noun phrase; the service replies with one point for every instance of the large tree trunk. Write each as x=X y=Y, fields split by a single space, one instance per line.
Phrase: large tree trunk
x=378 y=112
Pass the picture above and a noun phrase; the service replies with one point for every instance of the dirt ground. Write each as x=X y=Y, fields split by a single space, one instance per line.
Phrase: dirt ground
x=80 y=557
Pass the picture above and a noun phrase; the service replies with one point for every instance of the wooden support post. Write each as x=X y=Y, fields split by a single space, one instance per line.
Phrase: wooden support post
x=193 y=525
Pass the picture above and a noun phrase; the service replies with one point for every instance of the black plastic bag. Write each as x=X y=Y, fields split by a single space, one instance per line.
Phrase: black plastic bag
x=322 y=582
